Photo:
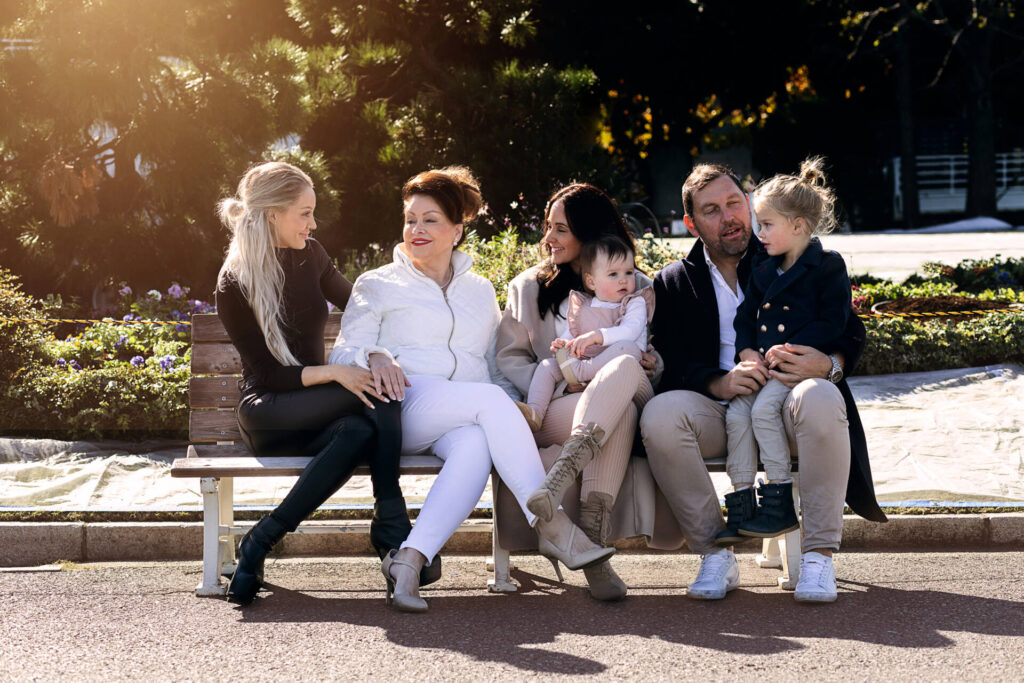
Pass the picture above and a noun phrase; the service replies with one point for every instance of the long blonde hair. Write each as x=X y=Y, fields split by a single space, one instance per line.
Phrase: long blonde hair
x=251 y=258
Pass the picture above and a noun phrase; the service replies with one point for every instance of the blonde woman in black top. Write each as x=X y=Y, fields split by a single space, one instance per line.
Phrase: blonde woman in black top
x=272 y=295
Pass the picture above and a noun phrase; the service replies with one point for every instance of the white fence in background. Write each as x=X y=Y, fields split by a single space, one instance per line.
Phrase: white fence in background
x=942 y=183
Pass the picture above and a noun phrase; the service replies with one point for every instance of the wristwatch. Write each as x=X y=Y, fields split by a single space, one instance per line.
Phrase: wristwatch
x=836 y=373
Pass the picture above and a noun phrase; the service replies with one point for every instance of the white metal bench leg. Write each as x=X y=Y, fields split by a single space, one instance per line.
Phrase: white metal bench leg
x=227 y=520
x=789 y=546
x=501 y=582
x=211 y=584
x=770 y=557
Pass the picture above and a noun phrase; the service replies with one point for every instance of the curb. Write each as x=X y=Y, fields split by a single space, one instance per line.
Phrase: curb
x=35 y=543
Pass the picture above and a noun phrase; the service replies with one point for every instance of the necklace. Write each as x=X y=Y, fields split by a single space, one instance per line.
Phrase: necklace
x=451 y=275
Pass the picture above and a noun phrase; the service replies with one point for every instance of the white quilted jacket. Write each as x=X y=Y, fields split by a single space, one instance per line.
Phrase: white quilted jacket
x=398 y=310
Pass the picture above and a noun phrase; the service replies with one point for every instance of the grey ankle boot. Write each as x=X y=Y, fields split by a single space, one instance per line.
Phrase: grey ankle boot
x=582 y=446
x=595 y=520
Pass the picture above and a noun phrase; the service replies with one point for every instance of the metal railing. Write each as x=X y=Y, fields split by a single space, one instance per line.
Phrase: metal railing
x=942 y=182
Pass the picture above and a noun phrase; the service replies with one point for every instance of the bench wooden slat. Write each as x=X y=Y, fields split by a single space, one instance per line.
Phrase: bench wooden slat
x=213 y=425
x=223 y=359
x=256 y=466
x=206 y=327
x=213 y=392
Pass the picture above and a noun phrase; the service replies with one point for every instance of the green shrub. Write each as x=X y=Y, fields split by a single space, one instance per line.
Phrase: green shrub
x=976 y=275
x=117 y=400
x=500 y=258
x=108 y=380
x=900 y=345
x=22 y=343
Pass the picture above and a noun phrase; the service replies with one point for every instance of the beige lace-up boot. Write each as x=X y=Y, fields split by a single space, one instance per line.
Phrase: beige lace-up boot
x=595 y=520
x=582 y=446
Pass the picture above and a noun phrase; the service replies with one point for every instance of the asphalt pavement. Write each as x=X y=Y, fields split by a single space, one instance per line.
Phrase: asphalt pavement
x=913 y=616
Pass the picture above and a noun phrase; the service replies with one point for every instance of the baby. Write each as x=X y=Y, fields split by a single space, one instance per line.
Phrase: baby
x=601 y=327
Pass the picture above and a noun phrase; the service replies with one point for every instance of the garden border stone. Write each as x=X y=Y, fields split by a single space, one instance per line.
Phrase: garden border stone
x=36 y=543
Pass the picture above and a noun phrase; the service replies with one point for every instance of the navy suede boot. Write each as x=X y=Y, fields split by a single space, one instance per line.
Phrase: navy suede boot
x=776 y=515
x=740 y=507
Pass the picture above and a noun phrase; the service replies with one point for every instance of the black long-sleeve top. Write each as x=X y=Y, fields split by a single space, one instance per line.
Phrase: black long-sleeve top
x=310 y=281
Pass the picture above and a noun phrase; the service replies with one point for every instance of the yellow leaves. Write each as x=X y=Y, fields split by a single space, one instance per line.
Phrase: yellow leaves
x=798 y=85
x=708 y=110
x=69 y=192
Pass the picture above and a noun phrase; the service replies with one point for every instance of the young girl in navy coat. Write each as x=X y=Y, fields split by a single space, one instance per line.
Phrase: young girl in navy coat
x=799 y=295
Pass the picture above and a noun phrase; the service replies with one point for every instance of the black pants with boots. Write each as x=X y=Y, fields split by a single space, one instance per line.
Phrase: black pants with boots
x=329 y=423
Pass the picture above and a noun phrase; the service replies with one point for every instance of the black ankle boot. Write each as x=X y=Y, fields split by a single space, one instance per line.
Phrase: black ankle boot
x=776 y=515
x=740 y=507
x=389 y=529
x=252 y=552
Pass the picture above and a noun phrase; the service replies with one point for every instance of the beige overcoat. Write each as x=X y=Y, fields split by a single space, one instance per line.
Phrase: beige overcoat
x=524 y=338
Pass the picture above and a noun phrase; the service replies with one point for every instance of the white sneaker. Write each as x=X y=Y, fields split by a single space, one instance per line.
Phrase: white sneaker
x=718 y=575
x=817 y=579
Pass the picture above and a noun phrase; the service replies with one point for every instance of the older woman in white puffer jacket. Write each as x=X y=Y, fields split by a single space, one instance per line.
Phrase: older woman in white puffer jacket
x=426 y=327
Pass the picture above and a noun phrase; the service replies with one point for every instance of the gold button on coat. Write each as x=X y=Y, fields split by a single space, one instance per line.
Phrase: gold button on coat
x=767 y=305
x=782 y=328
x=764 y=328
x=785 y=308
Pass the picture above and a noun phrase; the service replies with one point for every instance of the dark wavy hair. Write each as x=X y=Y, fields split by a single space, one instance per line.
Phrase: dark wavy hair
x=590 y=214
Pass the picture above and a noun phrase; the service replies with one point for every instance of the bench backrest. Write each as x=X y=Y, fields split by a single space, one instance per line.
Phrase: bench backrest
x=216 y=368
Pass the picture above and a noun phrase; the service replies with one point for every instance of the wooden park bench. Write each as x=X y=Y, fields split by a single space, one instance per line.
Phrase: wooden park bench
x=217 y=456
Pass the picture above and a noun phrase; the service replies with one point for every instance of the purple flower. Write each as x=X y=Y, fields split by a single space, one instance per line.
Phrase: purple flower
x=138 y=361
x=61 y=362
x=181 y=328
x=128 y=318
x=167 y=362
x=175 y=291
x=125 y=291
x=120 y=342
x=176 y=314
x=75 y=365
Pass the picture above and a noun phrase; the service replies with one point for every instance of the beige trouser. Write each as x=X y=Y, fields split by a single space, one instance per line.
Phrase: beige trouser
x=681 y=428
x=612 y=401
x=753 y=424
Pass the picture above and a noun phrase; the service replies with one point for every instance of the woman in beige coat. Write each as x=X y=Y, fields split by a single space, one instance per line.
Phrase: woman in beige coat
x=595 y=424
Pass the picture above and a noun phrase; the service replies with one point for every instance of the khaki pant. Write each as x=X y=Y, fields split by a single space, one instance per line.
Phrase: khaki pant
x=753 y=425
x=681 y=428
x=612 y=400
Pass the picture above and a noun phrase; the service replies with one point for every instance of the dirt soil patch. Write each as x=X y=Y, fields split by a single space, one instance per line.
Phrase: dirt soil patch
x=945 y=303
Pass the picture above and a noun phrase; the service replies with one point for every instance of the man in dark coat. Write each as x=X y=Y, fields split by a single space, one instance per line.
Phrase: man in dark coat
x=693 y=330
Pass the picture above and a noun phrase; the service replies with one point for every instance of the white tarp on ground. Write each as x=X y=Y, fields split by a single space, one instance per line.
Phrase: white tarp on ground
x=947 y=435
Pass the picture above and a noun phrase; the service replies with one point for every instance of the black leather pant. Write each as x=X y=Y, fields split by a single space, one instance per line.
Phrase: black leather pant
x=333 y=426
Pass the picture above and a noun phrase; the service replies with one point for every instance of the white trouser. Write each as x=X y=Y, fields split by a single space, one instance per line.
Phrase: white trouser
x=469 y=425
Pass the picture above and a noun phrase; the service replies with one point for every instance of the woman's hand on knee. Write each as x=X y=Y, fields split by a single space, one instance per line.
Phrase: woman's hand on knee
x=388 y=376
x=358 y=381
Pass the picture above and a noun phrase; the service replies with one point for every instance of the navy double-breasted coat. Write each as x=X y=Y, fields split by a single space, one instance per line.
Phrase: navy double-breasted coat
x=808 y=304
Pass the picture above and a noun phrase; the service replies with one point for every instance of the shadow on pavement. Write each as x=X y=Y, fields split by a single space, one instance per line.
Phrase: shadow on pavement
x=525 y=627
